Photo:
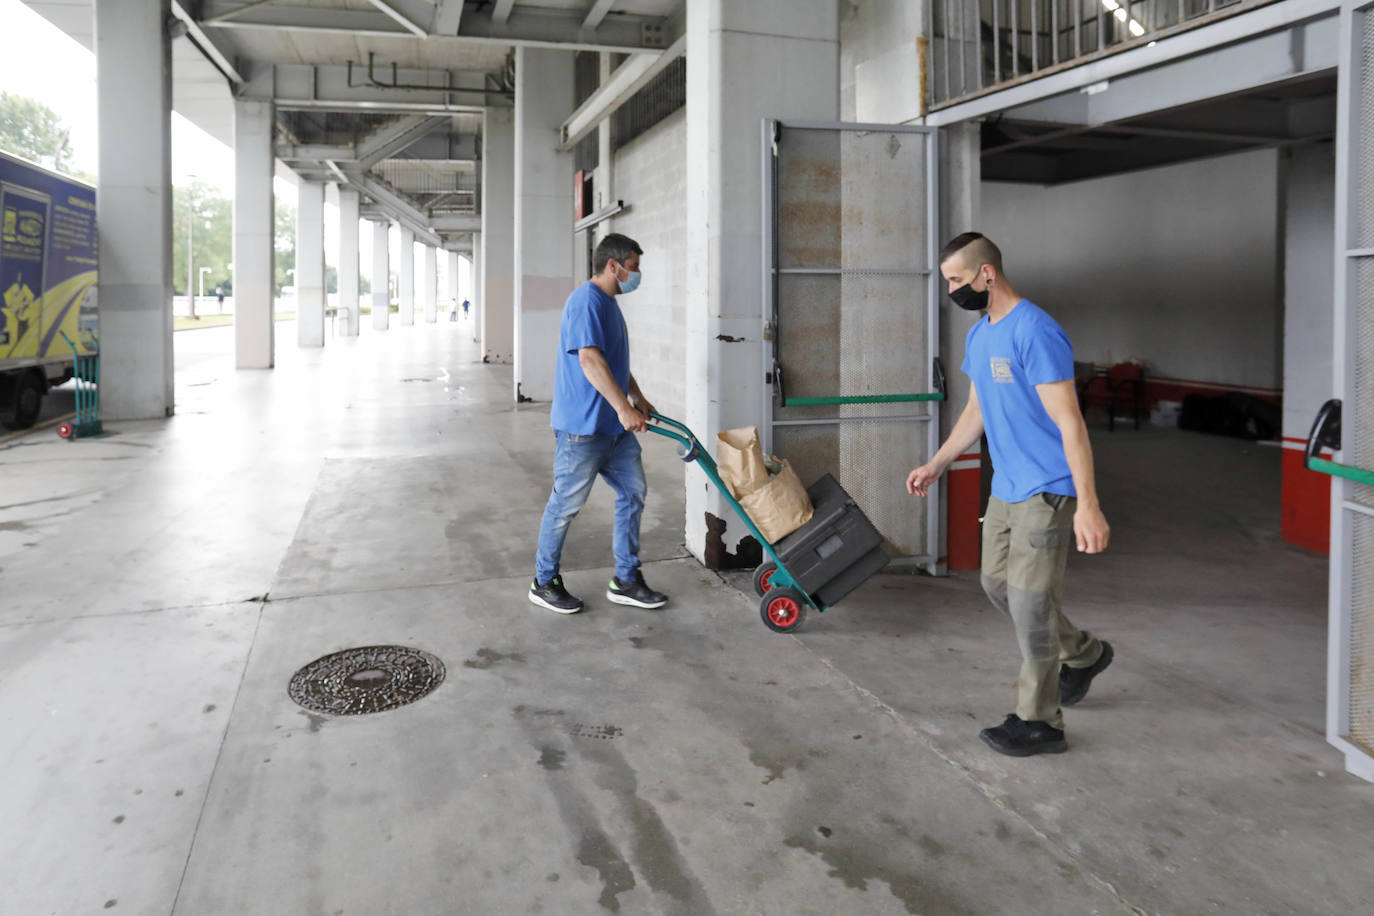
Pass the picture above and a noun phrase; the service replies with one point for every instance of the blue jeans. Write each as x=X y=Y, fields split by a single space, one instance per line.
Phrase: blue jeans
x=577 y=461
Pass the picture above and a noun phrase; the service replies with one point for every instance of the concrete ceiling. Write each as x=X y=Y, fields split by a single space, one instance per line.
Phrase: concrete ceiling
x=1040 y=152
x=366 y=89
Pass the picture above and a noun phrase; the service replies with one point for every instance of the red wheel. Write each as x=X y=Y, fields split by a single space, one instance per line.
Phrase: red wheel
x=65 y=430
x=783 y=610
x=763 y=578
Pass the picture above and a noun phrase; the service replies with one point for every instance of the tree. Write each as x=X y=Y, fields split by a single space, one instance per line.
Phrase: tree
x=285 y=243
x=212 y=233
x=34 y=131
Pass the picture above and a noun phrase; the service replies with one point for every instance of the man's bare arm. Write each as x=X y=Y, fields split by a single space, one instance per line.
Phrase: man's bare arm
x=598 y=372
x=1089 y=524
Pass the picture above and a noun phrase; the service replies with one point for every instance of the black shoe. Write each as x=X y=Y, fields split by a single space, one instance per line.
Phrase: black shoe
x=1074 y=682
x=635 y=593
x=1018 y=738
x=554 y=596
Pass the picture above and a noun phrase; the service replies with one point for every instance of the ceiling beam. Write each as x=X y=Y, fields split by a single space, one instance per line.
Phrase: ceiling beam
x=393 y=138
x=563 y=29
x=448 y=16
x=501 y=11
x=622 y=85
x=212 y=51
x=456 y=223
x=401 y=209
x=597 y=13
x=410 y=25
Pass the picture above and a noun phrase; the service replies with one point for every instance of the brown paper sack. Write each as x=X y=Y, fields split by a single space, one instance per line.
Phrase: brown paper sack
x=781 y=506
x=739 y=460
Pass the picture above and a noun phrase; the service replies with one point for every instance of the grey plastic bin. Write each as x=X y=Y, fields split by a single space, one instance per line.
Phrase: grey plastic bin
x=837 y=550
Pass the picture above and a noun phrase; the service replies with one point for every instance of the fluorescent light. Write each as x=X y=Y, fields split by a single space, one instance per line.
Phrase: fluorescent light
x=1137 y=29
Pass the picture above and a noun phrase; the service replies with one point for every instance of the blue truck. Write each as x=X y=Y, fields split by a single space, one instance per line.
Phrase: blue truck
x=48 y=271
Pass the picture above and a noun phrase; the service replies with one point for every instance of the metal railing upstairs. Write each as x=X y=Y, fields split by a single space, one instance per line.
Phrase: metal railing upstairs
x=981 y=46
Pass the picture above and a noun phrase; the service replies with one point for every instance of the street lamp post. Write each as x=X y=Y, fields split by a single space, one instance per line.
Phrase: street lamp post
x=190 y=236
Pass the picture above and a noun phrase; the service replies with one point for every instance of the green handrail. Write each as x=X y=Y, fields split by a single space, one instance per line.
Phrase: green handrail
x=1349 y=472
x=863 y=399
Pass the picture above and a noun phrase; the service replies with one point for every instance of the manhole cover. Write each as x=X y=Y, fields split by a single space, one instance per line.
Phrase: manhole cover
x=370 y=679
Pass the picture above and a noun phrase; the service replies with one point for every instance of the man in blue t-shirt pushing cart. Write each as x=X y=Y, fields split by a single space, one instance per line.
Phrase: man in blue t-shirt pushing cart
x=1044 y=497
x=597 y=409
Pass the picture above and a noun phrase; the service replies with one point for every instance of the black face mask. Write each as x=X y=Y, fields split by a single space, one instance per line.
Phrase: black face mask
x=967 y=298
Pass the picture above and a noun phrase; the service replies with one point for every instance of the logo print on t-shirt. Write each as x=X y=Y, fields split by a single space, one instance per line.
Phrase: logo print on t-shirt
x=1001 y=370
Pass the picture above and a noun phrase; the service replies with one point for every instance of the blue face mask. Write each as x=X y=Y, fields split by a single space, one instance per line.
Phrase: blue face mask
x=631 y=281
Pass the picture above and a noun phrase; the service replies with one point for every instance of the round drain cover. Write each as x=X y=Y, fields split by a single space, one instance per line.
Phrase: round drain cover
x=370 y=679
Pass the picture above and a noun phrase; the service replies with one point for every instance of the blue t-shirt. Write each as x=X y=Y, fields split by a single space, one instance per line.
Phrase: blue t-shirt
x=590 y=319
x=1005 y=361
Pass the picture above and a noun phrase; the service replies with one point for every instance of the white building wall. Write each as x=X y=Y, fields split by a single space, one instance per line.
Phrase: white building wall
x=1179 y=266
x=650 y=176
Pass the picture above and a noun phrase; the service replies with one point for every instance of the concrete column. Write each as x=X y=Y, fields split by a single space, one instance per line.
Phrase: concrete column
x=454 y=302
x=134 y=66
x=603 y=182
x=254 y=333
x=429 y=277
x=405 y=280
x=543 y=215
x=498 y=236
x=381 y=275
x=348 y=256
x=475 y=282
x=310 y=298
x=745 y=62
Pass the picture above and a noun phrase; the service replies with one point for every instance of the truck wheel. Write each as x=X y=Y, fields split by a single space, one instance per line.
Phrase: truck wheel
x=29 y=389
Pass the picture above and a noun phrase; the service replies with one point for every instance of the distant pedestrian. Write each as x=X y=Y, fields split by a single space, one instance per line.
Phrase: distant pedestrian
x=219 y=297
x=466 y=305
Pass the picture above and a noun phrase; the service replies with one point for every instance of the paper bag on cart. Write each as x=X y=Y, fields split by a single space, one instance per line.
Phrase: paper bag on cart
x=781 y=506
x=739 y=460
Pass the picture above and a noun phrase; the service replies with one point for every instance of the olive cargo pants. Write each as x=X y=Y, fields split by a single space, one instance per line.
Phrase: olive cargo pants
x=1025 y=548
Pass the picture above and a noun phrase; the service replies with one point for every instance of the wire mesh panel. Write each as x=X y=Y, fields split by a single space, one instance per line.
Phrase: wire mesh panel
x=851 y=316
x=1352 y=536
x=1362 y=632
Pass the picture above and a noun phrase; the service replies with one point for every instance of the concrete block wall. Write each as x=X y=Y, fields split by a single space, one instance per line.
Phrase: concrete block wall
x=650 y=177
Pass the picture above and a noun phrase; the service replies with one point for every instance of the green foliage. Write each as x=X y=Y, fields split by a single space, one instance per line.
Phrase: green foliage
x=208 y=218
x=34 y=131
x=284 y=244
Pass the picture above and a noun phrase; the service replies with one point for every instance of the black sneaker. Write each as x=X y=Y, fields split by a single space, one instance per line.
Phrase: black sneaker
x=1074 y=682
x=554 y=596
x=1016 y=737
x=635 y=592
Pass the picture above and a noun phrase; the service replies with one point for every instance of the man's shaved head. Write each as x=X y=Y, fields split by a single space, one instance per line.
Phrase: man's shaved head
x=973 y=249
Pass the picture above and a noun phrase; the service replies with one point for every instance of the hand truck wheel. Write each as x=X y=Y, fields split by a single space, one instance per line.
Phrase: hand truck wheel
x=763 y=577
x=783 y=610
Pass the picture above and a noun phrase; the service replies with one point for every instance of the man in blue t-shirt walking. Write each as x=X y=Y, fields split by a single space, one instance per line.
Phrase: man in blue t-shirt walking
x=597 y=409
x=1044 y=497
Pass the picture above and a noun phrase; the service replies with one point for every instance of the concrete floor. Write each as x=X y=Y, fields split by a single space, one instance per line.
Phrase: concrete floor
x=161 y=585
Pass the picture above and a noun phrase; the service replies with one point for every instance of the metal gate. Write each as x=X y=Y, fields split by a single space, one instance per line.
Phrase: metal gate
x=1350 y=682
x=850 y=318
